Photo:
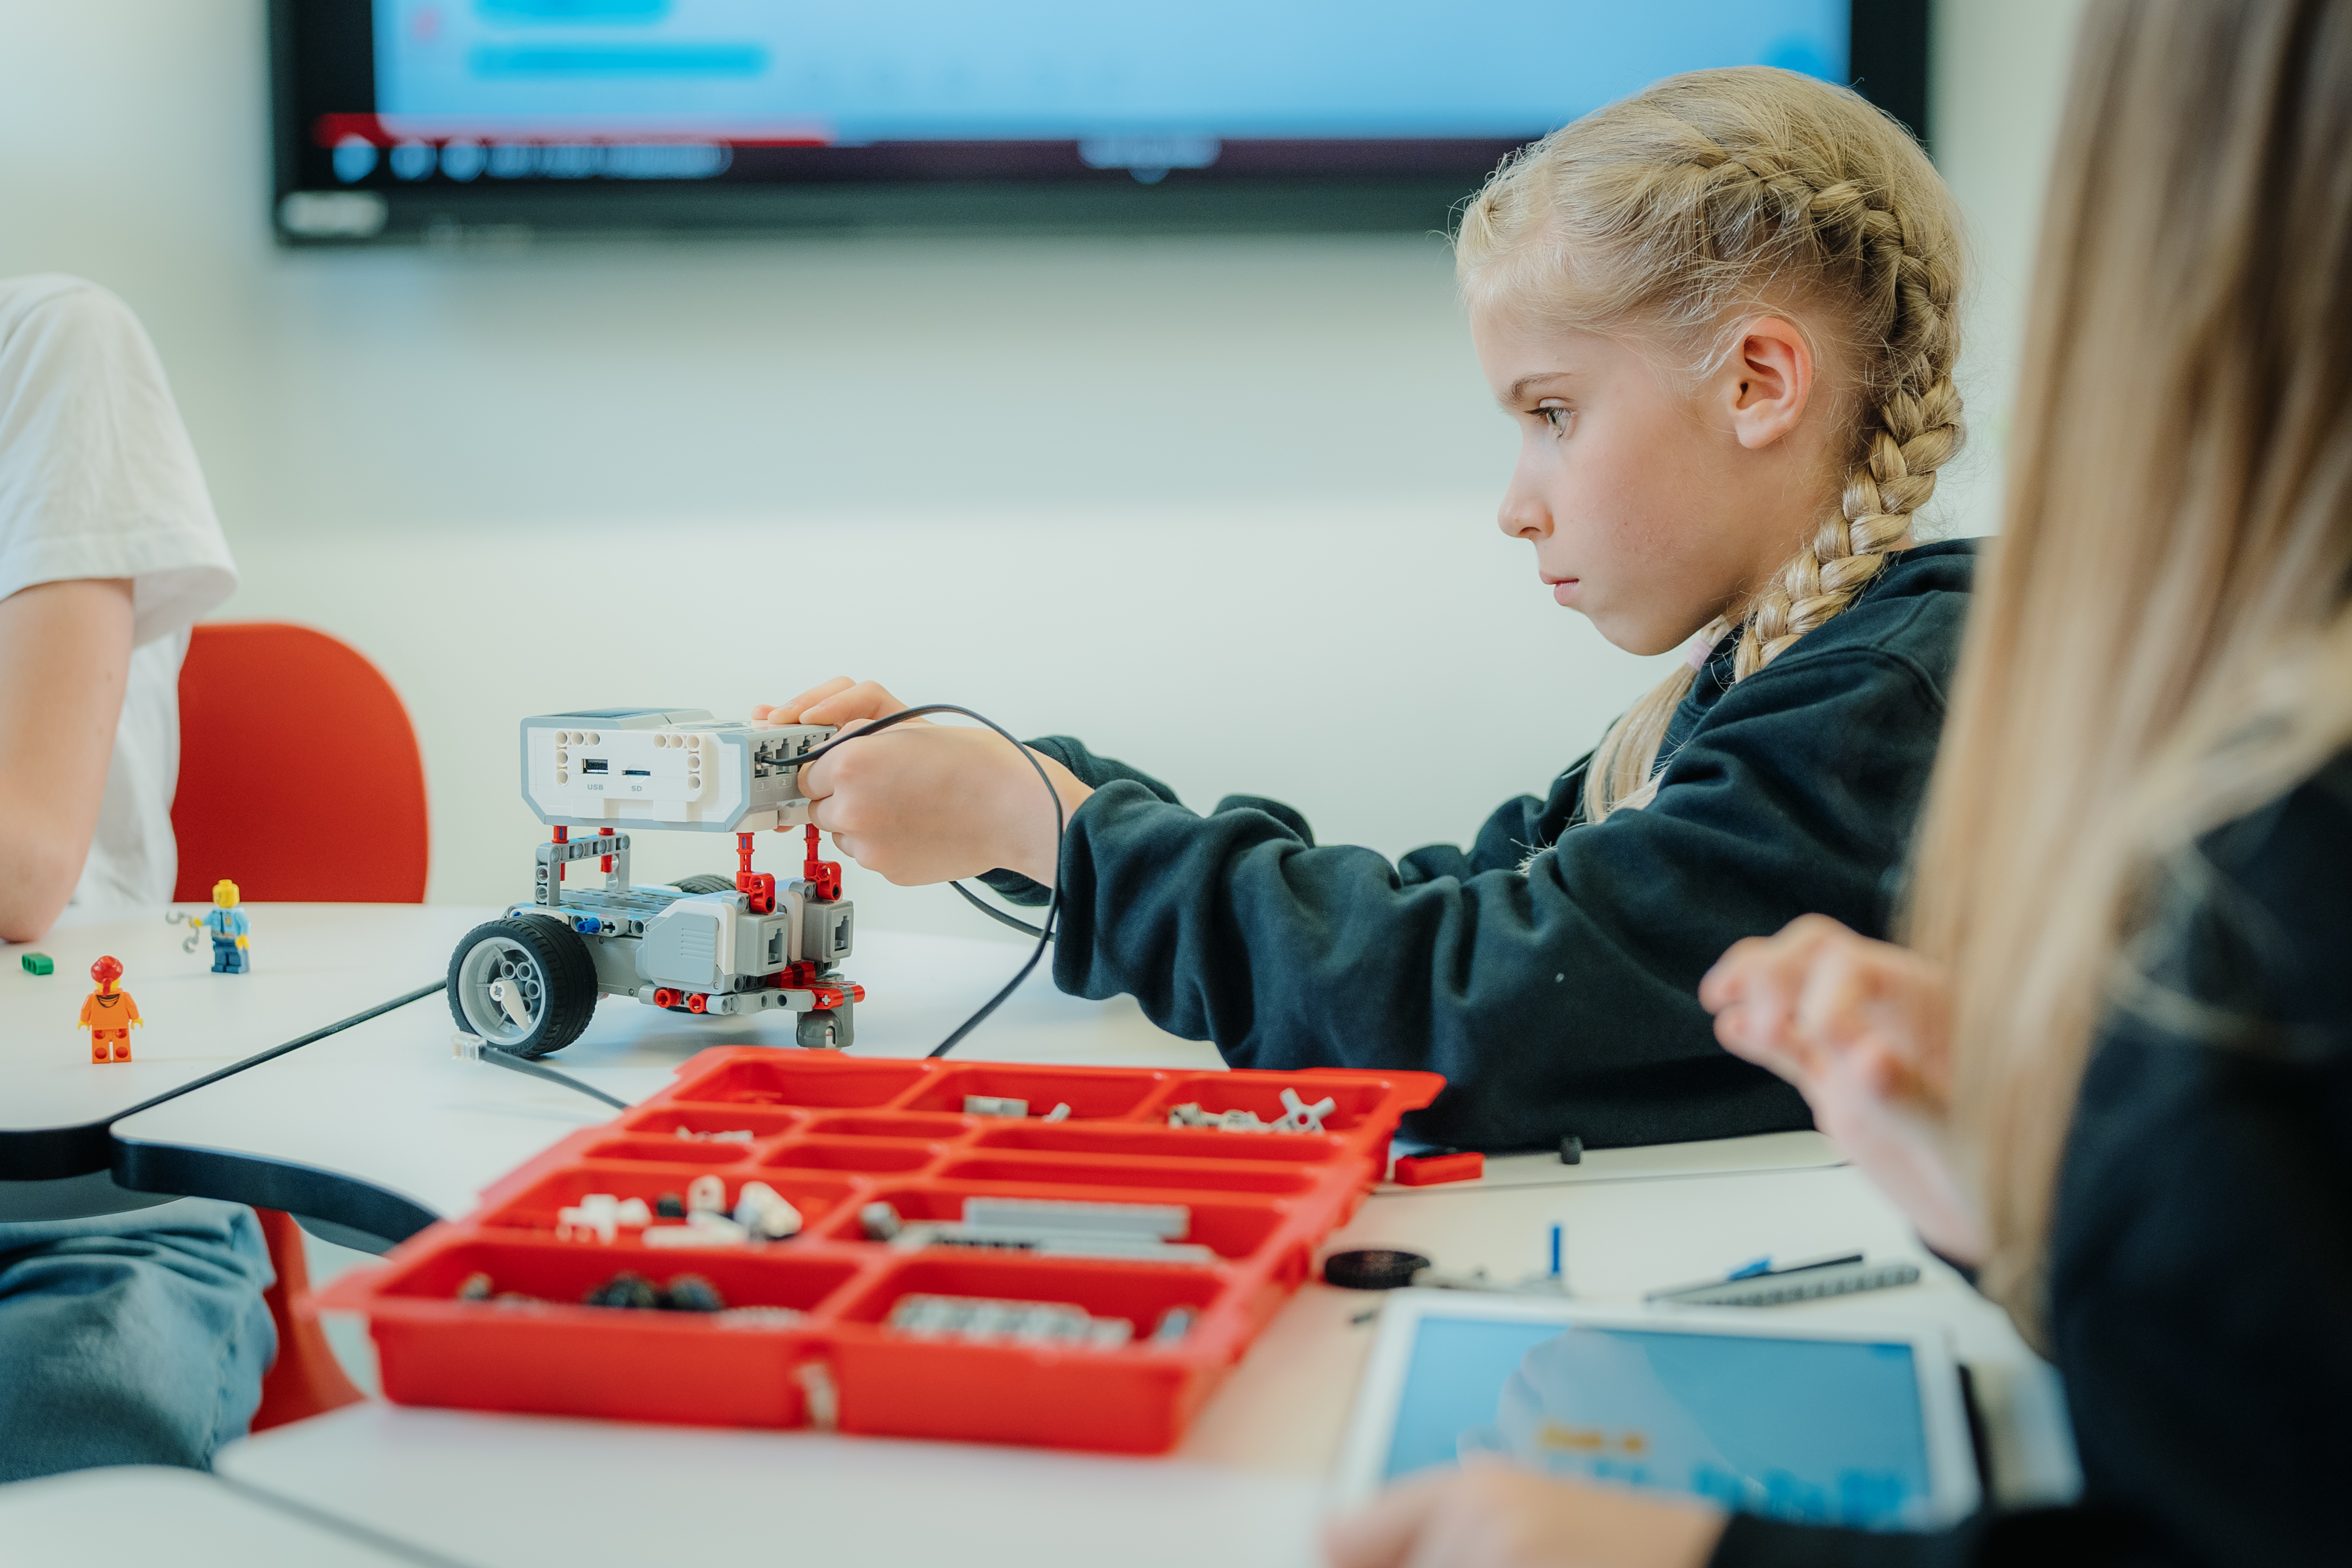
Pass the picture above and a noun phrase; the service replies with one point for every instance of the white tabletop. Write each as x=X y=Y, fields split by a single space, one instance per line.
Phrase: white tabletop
x=145 y=1516
x=386 y=1105
x=313 y=964
x=387 y=1108
x=1248 y=1484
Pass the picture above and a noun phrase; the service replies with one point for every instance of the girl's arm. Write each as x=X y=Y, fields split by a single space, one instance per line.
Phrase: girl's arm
x=1559 y=1000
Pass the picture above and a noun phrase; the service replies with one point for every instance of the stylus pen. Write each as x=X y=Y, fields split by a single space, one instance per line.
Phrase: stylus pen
x=1762 y=1267
x=1800 y=1282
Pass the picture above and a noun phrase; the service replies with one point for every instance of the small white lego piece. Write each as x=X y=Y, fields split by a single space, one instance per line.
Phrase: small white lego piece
x=702 y=1228
x=993 y=1105
x=1173 y=1325
x=1023 y=1323
x=1301 y=1117
x=879 y=1221
x=634 y=1214
x=595 y=1219
x=705 y=1194
x=1164 y=1221
x=1059 y=1113
x=823 y=1397
x=510 y=999
x=757 y=1317
x=766 y=1212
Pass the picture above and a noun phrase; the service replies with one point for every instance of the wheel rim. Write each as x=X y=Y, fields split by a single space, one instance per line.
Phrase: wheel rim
x=493 y=959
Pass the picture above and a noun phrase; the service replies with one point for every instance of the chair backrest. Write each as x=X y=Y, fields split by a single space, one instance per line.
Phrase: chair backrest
x=300 y=776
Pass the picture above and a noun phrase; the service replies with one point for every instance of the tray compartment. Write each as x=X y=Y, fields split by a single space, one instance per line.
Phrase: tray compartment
x=1099 y=1094
x=573 y=1360
x=1261 y=1094
x=1161 y=1176
x=890 y=1124
x=815 y=1079
x=534 y=1209
x=1234 y=1230
x=679 y=1154
x=701 y=1120
x=1134 y=1399
x=852 y=1155
x=1163 y=1142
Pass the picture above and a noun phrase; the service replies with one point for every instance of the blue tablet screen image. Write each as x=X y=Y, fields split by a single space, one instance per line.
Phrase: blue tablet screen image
x=1818 y=1431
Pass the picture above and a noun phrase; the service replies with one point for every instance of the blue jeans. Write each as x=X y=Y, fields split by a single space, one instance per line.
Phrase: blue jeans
x=131 y=1339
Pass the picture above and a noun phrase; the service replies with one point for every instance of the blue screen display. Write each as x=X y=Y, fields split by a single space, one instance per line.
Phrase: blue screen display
x=823 y=72
x=1821 y=1431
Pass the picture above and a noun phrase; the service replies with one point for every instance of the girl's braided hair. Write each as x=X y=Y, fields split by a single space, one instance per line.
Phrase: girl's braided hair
x=1682 y=212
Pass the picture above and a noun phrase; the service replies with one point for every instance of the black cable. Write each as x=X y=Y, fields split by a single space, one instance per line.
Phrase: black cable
x=514 y=1062
x=1045 y=934
x=992 y=913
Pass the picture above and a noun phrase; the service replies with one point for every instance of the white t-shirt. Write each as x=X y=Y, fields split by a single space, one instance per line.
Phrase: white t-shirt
x=97 y=479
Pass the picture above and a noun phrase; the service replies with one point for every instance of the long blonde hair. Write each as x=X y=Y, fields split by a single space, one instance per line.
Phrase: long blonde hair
x=2165 y=642
x=1676 y=213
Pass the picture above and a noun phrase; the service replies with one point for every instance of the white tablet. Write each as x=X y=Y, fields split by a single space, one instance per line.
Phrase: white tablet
x=1822 y=1423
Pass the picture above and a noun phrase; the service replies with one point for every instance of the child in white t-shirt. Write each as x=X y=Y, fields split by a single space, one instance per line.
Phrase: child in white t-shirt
x=136 y=1338
x=100 y=496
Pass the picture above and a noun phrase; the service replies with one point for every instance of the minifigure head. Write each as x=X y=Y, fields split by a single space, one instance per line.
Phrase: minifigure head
x=224 y=893
x=106 y=971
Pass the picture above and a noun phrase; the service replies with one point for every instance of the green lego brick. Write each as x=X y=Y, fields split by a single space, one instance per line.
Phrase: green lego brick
x=40 y=963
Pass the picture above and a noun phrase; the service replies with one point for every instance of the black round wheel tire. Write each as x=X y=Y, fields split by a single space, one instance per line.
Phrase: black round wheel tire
x=704 y=882
x=553 y=980
x=826 y=1029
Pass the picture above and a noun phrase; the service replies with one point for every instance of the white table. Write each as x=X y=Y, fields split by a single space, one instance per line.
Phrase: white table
x=1245 y=1487
x=379 y=1129
x=313 y=965
x=147 y=1516
x=384 y=1108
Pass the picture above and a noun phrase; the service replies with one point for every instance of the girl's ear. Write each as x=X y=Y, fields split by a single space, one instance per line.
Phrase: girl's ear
x=1767 y=381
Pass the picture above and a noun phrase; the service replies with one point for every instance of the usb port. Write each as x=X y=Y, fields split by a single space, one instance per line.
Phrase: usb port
x=595 y=765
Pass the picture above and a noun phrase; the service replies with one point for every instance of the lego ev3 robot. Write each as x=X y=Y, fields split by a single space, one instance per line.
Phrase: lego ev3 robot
x=528 y=982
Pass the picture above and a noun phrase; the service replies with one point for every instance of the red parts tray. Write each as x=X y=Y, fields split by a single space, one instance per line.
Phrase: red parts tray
x=833 y=1134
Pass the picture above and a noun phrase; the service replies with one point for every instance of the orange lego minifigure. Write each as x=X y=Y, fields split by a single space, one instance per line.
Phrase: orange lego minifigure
x=109 y=1014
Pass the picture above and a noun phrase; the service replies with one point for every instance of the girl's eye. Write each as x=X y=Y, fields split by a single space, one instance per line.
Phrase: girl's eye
x=1555 y=416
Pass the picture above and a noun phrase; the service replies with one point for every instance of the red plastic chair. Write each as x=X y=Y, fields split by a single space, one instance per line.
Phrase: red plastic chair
x=294 y=749
x=301 y=782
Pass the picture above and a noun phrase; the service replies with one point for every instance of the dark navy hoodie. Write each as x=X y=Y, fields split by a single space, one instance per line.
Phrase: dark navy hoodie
x=1560 y=998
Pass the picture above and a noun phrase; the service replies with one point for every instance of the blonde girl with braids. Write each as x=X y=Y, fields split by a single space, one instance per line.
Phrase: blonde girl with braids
x=2112 y=1068
x=1721 y=313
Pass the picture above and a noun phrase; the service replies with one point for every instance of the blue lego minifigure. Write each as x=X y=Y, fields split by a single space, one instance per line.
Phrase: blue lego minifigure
x=229 y=927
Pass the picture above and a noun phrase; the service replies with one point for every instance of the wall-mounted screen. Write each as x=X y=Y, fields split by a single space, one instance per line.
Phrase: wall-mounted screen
x=406 y=117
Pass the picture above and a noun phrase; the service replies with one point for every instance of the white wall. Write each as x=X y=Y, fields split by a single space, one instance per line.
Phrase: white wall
x=1222 y=506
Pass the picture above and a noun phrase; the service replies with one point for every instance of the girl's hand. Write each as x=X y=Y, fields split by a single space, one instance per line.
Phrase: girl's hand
x=837 y=701
x=925 y=802
x=1490 y=1515
x=1863 y=1028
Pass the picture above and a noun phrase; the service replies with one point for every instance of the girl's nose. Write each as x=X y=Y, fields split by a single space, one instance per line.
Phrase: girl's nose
x=1523 y=515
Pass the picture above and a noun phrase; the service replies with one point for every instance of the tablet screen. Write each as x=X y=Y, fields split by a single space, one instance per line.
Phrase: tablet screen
x=1824 y=1431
